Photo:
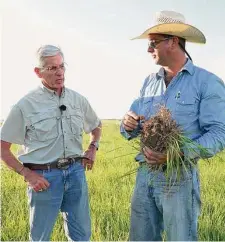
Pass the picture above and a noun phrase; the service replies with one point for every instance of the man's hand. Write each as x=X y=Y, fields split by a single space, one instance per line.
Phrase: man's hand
x=154 y=158
x=36 y=181
x=90 y=155
x=130 y=121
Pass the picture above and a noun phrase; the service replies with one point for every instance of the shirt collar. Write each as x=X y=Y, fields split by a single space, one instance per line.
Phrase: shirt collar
x=161 y=72
x=51 y=92
x=188 y=66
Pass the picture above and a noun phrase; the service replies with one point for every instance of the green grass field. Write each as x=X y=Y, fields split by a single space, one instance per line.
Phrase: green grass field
x=110 y=195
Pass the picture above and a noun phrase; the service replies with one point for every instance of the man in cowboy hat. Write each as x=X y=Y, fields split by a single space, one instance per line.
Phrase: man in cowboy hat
x=196 y=99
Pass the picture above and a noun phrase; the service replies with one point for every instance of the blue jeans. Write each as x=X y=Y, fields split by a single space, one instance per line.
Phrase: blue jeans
x=67 y=193
x=158 y=206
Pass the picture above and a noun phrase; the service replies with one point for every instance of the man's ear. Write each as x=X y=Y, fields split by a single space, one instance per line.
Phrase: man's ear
x=175 y=42
x=38 y=72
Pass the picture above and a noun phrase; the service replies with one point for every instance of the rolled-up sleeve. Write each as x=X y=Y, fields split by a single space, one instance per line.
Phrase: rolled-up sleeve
x=91 y=120
x=13 y=129
x=211 y=121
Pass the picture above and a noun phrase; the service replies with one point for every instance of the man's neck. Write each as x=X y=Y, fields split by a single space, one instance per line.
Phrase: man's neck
x=172 y=70
x=58 y=91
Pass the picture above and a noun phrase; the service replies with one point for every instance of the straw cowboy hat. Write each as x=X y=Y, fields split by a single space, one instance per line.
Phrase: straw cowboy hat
x=173 y=23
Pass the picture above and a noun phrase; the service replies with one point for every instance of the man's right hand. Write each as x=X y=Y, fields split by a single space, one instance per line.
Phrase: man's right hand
x=130 y=121
x=36 y=181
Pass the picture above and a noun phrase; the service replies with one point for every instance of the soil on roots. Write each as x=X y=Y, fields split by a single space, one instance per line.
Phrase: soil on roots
x=158 y=131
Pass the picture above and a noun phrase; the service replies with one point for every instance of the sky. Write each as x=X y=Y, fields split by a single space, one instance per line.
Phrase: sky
x=104 y=65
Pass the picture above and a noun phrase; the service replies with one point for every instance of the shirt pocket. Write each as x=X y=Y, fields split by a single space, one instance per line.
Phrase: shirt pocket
x=186 y=110
x=151 y=105
x=43 y=126
x=146 y=107
x=76 y=121
x=186 y=106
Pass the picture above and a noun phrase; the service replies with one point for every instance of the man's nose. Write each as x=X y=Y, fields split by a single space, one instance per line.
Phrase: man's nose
x=150 y=49
x=59 y=72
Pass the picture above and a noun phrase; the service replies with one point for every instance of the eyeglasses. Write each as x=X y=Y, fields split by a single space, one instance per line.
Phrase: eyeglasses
x=54 y=69
x=153 y=43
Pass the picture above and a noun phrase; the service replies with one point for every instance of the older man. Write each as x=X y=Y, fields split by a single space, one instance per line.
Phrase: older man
x=196 y=99
x=49 y=122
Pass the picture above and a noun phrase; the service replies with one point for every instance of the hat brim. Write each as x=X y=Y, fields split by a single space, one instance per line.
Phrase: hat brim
x=185 y=31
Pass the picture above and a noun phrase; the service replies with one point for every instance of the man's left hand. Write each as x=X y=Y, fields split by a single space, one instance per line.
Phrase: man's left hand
x=154 y=158
x=90 y=155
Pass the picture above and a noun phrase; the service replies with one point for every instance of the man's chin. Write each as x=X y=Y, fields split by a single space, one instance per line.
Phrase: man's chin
x=59 y=85
x=156 y=61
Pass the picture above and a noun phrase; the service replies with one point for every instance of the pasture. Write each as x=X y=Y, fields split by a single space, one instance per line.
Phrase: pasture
x=110 y=194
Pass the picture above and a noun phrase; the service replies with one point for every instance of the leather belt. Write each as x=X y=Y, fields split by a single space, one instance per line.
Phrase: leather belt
x=62 y=163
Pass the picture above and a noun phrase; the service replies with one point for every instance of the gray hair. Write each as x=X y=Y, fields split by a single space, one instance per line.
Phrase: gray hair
x=46 y=51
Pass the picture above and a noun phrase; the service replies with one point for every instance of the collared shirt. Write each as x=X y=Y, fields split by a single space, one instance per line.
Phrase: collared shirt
x=196 y=99
x=46 y=132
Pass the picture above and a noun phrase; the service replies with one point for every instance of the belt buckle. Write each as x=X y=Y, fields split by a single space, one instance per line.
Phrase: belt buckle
x=62 y=164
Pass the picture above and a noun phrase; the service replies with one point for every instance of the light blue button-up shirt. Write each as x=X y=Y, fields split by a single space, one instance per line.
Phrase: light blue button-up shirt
x=196 y=99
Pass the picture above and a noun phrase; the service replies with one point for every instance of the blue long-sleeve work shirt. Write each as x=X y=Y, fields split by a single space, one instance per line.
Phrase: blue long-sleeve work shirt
x=196 y=99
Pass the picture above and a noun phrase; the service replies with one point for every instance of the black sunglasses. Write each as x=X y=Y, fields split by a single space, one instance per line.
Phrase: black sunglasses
x=153 y=43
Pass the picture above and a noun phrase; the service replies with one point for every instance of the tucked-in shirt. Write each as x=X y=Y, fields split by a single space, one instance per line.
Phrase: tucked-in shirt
x=46 y=132
x=196 y=100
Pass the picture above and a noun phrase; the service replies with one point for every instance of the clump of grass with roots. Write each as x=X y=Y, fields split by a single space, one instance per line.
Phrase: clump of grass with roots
x=162 y=134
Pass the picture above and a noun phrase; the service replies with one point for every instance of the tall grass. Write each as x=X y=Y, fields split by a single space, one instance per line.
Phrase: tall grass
x=110 y=195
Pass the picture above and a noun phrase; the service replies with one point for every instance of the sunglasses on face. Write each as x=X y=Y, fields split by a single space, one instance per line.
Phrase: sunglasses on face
x=153 y=43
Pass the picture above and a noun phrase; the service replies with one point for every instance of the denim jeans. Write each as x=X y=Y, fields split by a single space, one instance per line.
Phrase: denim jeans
x=67 y=193
x=158 y=205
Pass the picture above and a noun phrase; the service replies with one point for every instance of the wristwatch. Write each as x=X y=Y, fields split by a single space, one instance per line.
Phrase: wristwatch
x=95 y=144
